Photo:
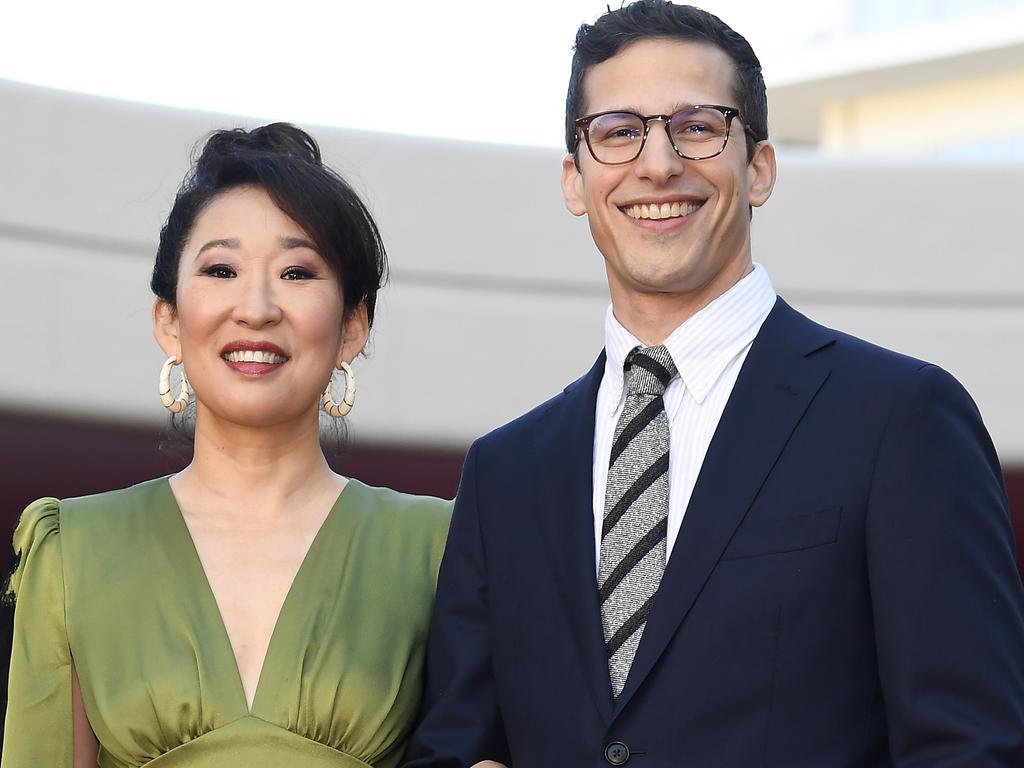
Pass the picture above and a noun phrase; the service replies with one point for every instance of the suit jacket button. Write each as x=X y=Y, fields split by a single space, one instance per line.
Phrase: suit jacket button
x=616 y=753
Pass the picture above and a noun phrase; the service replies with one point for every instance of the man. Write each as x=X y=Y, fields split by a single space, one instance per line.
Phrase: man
x=741 y=539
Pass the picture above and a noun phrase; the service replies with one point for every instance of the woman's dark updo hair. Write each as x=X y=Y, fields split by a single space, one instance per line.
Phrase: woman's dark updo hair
x=285 y=161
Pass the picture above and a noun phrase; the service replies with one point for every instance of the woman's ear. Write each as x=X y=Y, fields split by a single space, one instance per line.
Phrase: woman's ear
x=353 y=335
x=165 y=329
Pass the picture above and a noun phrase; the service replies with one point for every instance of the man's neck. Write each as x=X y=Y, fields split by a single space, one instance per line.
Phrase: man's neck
x=652 y=316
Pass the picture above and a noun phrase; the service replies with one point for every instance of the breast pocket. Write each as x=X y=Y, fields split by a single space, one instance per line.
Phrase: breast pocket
x=788 y=534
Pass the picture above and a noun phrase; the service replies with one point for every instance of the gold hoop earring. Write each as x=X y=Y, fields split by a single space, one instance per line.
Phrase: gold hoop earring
x=172 y=404
x=337 y=410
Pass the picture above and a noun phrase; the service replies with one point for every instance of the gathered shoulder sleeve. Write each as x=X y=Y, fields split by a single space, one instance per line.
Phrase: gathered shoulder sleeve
x=38 y=726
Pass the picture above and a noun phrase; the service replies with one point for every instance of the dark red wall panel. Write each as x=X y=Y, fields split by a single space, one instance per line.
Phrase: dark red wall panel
x=49 y=457
x=1015 y=490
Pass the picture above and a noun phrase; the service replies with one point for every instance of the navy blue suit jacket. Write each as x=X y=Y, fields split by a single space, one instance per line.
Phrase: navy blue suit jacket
x=842 y=592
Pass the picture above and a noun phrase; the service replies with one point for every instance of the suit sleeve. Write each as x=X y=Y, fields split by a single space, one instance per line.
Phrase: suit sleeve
x=948 y=602
x=38 y=727
x=460 y=721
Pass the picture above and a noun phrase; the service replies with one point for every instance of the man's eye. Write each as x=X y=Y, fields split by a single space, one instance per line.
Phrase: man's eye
x=617 y=133
x=219 y=270
x=625 y=133
x=297 y=273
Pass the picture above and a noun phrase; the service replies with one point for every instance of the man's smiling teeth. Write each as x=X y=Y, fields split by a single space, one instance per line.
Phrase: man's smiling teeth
x=254 y=356
x=663 y=211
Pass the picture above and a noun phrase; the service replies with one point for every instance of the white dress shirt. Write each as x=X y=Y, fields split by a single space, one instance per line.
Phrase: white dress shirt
x=708 y=350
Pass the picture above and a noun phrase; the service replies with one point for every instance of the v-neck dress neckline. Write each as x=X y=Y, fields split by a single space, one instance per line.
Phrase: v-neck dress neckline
x=222 y=646
x=114 y=582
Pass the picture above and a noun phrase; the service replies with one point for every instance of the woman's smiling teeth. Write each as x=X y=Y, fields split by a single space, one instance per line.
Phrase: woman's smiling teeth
x=254 y=356
x=663 y=211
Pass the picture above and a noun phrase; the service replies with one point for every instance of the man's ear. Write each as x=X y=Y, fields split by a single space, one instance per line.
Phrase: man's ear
x=761 y=172
x=165 y=329
x=353 y=335
x=572 y=186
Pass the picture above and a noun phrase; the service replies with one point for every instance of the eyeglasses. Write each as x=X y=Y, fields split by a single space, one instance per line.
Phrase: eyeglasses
x=696 y=133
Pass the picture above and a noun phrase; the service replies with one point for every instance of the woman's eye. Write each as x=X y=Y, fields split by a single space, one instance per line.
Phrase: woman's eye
x=219 y=270
x=297 y=273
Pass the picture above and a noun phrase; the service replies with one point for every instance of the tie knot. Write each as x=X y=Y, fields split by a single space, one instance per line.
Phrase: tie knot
x=649 y=370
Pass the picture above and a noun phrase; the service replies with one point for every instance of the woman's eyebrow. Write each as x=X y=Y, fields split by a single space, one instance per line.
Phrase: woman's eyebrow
x=231 y=242
x=288 y=243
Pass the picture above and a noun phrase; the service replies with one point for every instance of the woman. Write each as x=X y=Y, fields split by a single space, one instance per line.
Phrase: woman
x=255 y=609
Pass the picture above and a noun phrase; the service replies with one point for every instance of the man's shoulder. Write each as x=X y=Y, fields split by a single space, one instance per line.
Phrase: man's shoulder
x=526 y=427
x=550 y=414
x=846 y=351
x=868 y=377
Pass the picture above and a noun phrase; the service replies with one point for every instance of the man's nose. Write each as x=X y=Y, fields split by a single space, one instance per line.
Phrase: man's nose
x=659 y=160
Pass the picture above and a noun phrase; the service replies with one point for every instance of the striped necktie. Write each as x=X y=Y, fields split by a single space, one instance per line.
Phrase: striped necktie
x=635 y=509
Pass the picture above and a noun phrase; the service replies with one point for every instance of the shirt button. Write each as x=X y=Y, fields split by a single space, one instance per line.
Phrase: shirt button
x=616 y=753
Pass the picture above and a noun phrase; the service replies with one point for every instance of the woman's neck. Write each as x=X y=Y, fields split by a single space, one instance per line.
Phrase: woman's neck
x=255 y=472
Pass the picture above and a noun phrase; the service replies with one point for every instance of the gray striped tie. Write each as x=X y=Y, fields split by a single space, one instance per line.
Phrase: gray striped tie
x=635 y=509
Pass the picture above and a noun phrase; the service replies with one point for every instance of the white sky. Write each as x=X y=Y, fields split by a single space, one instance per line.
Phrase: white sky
x=452 y=68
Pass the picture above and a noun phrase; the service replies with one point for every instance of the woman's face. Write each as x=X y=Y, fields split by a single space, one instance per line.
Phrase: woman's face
x=258 y=323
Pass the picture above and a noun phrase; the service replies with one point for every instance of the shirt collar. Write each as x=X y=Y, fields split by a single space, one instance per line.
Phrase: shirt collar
x=706 y=343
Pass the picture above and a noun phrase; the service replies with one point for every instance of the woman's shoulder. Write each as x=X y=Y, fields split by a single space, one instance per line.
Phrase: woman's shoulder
x=395 y=513
x=120 y=500
x=99 y=513
x=429 y=510
x=39 y=521
x=36 y=539
x=402 y=534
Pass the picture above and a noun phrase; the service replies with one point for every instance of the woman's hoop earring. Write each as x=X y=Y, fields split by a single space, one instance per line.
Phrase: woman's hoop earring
x=337 y=410
x=172 y=404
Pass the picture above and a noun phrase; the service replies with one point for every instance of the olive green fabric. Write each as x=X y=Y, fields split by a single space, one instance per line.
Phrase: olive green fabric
x=114 y=582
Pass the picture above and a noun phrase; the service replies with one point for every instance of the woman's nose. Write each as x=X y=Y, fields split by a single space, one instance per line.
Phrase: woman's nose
x=257 y=304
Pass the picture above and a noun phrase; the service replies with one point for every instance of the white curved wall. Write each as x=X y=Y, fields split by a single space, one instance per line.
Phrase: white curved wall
x=497 y=295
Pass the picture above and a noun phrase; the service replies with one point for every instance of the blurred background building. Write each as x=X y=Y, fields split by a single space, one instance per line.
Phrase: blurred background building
x=940 y=79
x=901 y=134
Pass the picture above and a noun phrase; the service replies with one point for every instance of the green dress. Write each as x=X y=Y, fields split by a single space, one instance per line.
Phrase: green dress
x=113 y=581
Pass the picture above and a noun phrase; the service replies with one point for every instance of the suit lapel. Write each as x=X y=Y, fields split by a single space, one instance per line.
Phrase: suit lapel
x=774 y=388
x=564 y=456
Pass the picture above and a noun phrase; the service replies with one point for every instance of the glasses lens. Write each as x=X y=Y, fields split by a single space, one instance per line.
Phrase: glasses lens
x=699 y=133
x=616 y=138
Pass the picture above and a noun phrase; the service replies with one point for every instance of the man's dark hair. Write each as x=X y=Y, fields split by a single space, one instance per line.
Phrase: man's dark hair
x=660 y=19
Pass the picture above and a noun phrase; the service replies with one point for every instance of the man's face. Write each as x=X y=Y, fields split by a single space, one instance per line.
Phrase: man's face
x=702 y=250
